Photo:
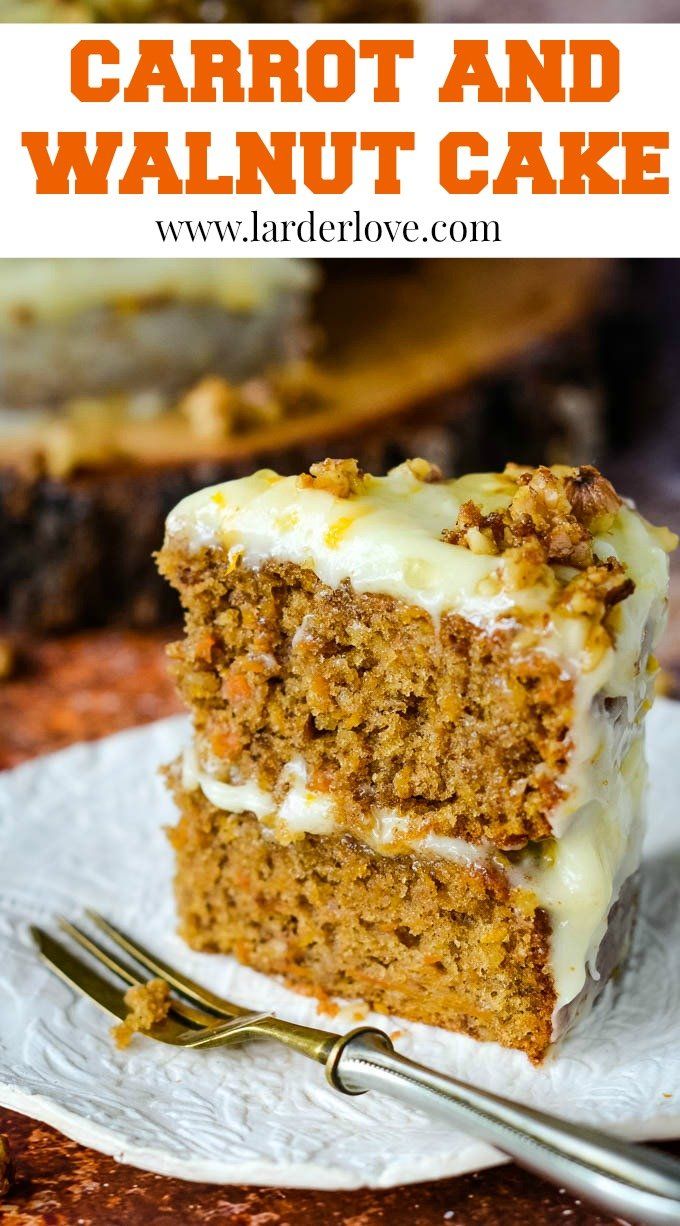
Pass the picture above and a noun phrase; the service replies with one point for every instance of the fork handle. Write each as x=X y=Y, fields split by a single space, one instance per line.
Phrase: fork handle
x=620 y=1178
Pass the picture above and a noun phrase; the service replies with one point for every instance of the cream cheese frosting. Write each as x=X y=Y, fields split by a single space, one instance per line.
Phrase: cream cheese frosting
x=387 y=539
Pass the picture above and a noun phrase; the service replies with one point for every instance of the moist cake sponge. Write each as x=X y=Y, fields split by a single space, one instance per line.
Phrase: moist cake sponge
x=417 y=770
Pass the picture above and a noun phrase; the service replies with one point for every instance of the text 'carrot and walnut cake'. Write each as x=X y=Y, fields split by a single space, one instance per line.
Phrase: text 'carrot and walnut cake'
x=417 y=773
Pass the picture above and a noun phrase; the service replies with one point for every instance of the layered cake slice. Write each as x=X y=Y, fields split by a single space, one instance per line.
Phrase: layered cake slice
x=417 y=771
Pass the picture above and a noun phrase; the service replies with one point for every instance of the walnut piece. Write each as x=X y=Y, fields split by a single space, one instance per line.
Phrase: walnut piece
x=526 y=565
x=596 y=590
x=216 y=409
x=210 y=408
x=541 y=508
x=477 y=532
x=300 y=386
x=594 y=501
x=342 y=478
x=148 y=1003
x=422 y=470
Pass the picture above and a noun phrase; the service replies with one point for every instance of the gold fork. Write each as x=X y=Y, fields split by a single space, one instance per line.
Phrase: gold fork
x=641 y=1184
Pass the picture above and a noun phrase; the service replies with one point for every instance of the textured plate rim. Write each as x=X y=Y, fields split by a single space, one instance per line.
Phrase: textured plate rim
x=307 y=1175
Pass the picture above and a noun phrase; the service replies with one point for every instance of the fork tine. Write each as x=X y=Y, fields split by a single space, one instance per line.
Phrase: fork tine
x=181 y=983
x=93 y=985
x=187 y=1012
x=311 y=1042
x=78 y=975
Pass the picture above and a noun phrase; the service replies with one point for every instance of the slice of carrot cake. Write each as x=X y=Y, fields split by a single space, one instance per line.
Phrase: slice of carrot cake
x=417 y=770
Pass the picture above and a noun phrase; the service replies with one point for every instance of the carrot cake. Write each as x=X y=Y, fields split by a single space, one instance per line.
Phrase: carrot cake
x=417 y=771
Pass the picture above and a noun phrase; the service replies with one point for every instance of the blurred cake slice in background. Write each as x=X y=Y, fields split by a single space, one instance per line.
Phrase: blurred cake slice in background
x=85 y=328
x=125 y=385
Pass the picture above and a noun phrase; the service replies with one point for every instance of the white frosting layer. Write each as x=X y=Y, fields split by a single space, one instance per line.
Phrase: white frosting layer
x=388 y=540
x=52 y=289
x=577 y=879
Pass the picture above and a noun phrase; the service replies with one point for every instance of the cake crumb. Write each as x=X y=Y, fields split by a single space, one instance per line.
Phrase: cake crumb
x=342 y=478
x=6 y=1167
x=148 y=1003
x=325 y=1004
x=352 y=1011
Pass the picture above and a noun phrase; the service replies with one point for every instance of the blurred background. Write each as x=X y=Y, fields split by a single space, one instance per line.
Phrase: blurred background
x=126 y=384
x=339 y=10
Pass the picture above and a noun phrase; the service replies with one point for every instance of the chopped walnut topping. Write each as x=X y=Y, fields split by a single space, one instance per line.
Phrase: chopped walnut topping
x=6 y=1167
x=515 y=471
x=342 y=478
x=559 y=507
x=259 y=404
x=210 y=408
x=477 y=532
x=92 y=432
x=290 y=390
x=596 y=590
x=422 y=470
x=148 y=1003
x=541 y=508
x=593 y=500
x=550 y=522
x=526 y=565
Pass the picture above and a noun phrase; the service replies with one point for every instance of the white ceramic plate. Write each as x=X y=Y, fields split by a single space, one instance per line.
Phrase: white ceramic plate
x=85 y=827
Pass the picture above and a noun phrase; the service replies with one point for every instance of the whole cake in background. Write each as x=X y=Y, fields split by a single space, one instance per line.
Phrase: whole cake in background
x=417 y=774
x=127 y=384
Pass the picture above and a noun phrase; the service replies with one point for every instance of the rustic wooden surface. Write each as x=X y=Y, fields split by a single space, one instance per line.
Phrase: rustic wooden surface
x=87 y=686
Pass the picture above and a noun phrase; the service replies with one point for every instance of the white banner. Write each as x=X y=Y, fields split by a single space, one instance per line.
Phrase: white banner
x=390 y=140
